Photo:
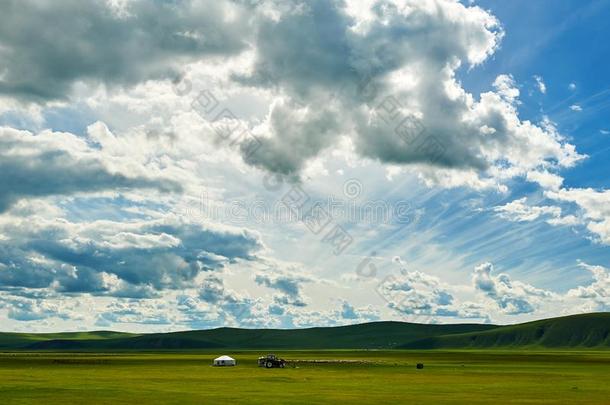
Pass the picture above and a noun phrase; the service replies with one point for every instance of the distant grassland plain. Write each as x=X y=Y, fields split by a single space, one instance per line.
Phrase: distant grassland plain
x=559 y=360
x=452 y=377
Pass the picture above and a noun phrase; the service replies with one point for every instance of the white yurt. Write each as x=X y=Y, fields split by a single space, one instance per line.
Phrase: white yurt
x=224 y=361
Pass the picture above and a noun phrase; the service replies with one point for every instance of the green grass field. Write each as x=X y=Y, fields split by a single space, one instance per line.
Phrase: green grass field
x=390 y=376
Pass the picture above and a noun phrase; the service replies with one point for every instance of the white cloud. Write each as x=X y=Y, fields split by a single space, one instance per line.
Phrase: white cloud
x=422 y=297
x=546 y=180
x=82 y=214
x=512 y=297
x=568 y=220
x=576 y=107
x=32 y=309
x=520 y=211
x=595 y=206
x=334 y=92
x=540 y=83
x=598 y=291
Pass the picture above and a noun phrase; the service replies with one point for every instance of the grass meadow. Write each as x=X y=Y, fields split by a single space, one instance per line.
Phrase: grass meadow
x=452 y=377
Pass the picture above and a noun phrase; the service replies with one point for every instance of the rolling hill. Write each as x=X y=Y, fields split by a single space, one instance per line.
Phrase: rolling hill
x=578 y=331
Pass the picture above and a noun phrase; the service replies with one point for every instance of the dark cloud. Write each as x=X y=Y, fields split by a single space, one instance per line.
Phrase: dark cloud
x=319 y=55
x=302 y=134
x=310 y=33
x=332 y=64
x=290 y=287
x=286 y=284
x=59 y=164
x=47 y=46
x=118 y=259
x=385 y=77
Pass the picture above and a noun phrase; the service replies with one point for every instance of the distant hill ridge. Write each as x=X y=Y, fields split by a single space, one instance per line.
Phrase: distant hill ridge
x=576 y=331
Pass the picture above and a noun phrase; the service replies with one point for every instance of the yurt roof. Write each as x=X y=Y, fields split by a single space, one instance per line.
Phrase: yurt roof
x=224 y=358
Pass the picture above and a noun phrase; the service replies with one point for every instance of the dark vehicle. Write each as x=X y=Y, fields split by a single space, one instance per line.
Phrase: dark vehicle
x=271 y=361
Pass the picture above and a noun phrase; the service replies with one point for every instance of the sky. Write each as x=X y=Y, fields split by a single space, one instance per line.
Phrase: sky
x=190 y=164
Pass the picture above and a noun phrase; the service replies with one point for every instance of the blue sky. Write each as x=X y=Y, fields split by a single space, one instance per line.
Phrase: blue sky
x=292 y=164
x=563 y=42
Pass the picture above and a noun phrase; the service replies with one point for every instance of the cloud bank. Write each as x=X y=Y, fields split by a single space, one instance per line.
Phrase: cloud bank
x=48 y=47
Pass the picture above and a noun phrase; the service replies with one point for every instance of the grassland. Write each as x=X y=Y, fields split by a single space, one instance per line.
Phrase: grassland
x=480 y=376
x=559 y=360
